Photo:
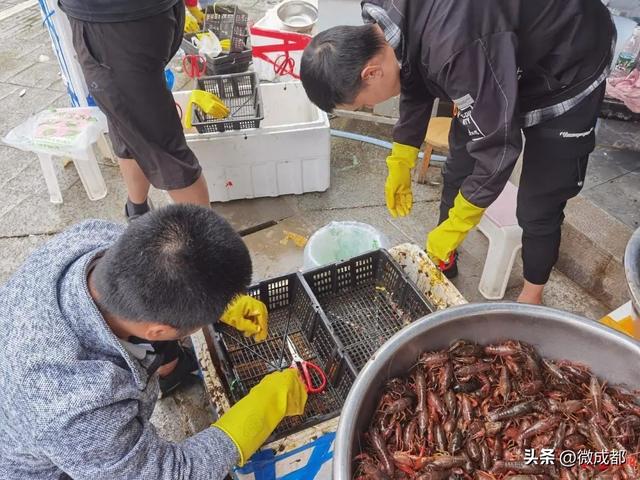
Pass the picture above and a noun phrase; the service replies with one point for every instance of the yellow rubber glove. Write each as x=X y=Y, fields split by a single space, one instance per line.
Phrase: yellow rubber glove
x=447 y=236
x=397 y=189
x=250 y=421
x=247 y=315
x=190 y=23
x=208 y=102
x=197 y=14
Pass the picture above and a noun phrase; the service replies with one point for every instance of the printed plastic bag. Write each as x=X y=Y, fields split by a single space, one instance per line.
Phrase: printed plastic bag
x=61 y=131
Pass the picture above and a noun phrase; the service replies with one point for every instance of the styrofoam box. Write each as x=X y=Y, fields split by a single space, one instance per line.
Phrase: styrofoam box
x=288 y=154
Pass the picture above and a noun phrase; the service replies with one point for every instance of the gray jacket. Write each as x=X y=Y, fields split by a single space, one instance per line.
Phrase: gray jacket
x=73 y=402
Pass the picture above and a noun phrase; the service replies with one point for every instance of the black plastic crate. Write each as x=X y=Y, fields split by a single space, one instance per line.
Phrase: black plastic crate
x=228 y=22
x=366 y=300
x=224 y=63
x=244 y=363
x=241 y=93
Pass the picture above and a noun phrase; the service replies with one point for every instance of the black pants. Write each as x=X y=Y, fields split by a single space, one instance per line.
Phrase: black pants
x=555 y=160
x=123 y=64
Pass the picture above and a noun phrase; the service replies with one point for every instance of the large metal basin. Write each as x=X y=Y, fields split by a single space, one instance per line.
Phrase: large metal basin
x=632 y=268
x=612 y=355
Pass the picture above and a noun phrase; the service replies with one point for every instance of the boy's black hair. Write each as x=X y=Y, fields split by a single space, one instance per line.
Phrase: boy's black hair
x=332 y=63
x=179 y=265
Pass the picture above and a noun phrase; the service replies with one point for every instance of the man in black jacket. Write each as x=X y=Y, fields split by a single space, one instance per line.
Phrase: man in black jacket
x=512 y=67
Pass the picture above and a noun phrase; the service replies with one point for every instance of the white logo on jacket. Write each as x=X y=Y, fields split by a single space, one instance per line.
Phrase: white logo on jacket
x=576 y=135
x=465 y=108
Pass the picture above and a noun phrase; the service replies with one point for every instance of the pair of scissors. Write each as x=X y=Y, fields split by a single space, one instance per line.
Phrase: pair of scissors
x=194 y=66
x=305 y=369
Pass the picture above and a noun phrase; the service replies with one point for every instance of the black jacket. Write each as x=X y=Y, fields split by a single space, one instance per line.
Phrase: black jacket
x=496 y=59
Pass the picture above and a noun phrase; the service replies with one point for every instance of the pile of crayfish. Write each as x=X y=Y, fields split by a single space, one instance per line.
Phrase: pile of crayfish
x=477 y=412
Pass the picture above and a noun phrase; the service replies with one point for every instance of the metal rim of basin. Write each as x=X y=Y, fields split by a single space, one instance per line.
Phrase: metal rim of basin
x=632 y=268
x=373 y=370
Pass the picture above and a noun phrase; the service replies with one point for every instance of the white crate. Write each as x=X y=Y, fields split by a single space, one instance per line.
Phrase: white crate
x=288 y=154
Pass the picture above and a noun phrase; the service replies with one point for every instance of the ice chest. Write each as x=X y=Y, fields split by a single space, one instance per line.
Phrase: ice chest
x=288 y=154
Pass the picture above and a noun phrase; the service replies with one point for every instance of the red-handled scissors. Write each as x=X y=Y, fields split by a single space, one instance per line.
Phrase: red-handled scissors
x=305 y=369
x=194 y=66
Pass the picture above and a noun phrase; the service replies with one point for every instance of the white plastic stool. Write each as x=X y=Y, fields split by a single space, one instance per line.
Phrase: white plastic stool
x=500 y=225
x=88 y=171
x=67 y=133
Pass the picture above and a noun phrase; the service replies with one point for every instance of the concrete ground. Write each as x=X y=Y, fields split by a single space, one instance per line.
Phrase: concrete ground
x=27 y=218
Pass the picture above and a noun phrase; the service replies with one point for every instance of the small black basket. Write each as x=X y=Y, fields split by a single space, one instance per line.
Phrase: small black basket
x=366 y=300
x=243 y=362
x=224 y=63
x=241 y=93
x=228 y=22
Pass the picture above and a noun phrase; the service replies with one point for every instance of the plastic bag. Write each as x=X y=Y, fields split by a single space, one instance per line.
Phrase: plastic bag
x=207 y=44
x=61 y=131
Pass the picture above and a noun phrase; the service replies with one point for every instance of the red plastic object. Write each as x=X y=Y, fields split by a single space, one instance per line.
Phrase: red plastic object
x=194 y=66
x=283 y=64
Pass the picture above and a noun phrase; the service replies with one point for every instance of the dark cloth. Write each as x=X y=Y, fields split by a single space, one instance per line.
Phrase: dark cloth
x=164 y=351
x=114 y=10
x=499 y=61
x=553 y=171
x=123 y=64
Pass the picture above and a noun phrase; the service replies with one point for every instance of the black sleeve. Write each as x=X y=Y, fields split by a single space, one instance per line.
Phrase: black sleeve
x=482 y=80
x=416 y=104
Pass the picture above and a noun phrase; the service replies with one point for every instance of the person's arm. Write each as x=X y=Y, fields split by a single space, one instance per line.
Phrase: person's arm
x=416 y=104
x=482 y=80
x=115 y=441
x=408 y=135
x=99 y=432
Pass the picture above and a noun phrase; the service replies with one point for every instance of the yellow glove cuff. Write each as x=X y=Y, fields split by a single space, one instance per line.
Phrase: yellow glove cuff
x=447 y=236
x=403 y=155
x=251 y=420
x=466 y=212
x=241 y=459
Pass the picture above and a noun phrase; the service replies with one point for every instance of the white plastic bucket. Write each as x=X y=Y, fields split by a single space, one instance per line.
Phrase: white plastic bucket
x=340 y=241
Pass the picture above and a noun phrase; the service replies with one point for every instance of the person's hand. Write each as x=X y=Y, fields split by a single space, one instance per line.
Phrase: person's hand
x=250 y=421
x=197 y=14
x=446 y=237
x=247 y=315
x=397 y=189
